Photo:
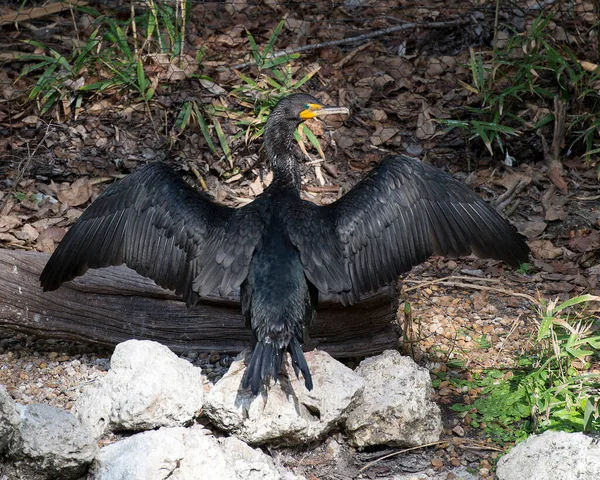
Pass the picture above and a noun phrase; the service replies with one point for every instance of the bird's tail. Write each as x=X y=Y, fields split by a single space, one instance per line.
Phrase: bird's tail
x=266 y=361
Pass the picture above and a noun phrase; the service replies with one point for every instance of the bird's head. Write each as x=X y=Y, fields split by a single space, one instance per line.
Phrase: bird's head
x=298 y=107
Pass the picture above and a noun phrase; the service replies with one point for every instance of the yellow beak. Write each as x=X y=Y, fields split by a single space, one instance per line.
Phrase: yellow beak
x=316 y=110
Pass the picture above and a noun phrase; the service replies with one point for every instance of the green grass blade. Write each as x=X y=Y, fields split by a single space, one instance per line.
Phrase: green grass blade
x=254 y=49
x=575 y=301
x=483 y=135
x=223 y=141
x=305 y=78
x=204 y=128
x=183 y=118
x=271 y=43
x=313 y=140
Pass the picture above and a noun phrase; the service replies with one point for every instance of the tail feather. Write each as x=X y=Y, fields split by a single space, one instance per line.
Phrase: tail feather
x=299 y=362
x=267 y=360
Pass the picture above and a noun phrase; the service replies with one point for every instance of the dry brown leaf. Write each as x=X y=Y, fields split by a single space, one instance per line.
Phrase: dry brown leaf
x=31 y=120
x=426 y=123
x=382 y=134
x=99 y=107
x=30 y=232
x=49 y=237
x=77 y=193
x=8 y=206
x=212 y=87
x=45 y=223
x=555 y=213
x=534 y=228
x=173 y=69
x=8 y=222
x=559 y=287
x=555 y=175
x=8 y=237
x=544 y=249
x=256 y=187
x=583 y=244
x=510 y=179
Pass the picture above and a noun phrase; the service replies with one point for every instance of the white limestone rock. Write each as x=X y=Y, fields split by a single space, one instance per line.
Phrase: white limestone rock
x=50 y=443
x=396 y=407
x=288 y=414
x=147 y=386
x=183 y=454
x=9 y=417
x=552 y=456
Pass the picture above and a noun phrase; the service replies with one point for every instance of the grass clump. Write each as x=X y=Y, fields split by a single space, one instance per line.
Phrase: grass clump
x=552 y=388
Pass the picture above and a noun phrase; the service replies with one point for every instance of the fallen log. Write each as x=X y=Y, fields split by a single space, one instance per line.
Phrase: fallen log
x=111 y=305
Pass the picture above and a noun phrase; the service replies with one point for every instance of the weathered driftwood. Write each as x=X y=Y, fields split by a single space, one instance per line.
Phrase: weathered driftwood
x=110 y=305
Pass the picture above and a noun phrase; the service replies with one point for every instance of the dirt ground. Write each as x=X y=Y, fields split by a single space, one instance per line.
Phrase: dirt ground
x=474 y=311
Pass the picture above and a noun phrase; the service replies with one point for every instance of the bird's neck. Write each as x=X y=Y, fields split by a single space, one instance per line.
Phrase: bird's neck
x=279 y=146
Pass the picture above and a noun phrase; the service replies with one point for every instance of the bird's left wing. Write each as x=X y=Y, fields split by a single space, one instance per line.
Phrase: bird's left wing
x=395 y=218
x=156 y=224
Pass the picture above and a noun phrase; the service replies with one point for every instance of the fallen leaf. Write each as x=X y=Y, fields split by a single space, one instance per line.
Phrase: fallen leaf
x=53 y=233
x=555 y=213
x=426 y=123
x=554 y=174
x=533 y=229
x=383 y=134
x=45 y=223
x=49 y=237
x=31 y=233
x=256 y=187
x=8 y=222
x=212 y=87
x=31 y=120
x=585 y=244
x=7 y=237
x=512 y=178
x=558 y=287
x=544 y=249
x=77 y=193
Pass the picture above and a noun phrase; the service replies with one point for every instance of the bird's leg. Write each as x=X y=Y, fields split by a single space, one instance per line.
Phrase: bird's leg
x=308 y=343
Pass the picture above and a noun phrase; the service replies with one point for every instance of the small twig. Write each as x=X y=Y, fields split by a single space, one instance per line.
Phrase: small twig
x=357 y=38
x=352 y=54
x=134 y=32
x=198 y=176
x=588 y=199
x=319 y=174
x=425 y=283
x=482 y=287
x=323 y=189
x=400 y=452
x=474 y=446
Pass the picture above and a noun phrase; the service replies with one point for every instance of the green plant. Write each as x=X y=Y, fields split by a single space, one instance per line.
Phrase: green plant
x=531 y=69
x=112 y=57
x=524 y=268
x=548 y=390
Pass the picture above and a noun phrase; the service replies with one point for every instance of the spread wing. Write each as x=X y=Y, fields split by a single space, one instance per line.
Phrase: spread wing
x=395 y=218
x=156 y=224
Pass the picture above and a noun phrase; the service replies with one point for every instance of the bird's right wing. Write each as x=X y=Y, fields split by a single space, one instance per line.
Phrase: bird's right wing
x=395 y=218
x=156 y=224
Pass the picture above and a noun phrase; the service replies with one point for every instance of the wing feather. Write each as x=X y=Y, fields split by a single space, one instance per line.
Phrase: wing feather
x=395 y=218
x=156 y=224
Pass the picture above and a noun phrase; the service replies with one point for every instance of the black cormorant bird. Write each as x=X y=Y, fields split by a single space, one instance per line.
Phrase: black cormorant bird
x=282 y=250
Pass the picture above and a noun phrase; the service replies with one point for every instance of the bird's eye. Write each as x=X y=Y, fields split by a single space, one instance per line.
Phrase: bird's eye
x=306 y=106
